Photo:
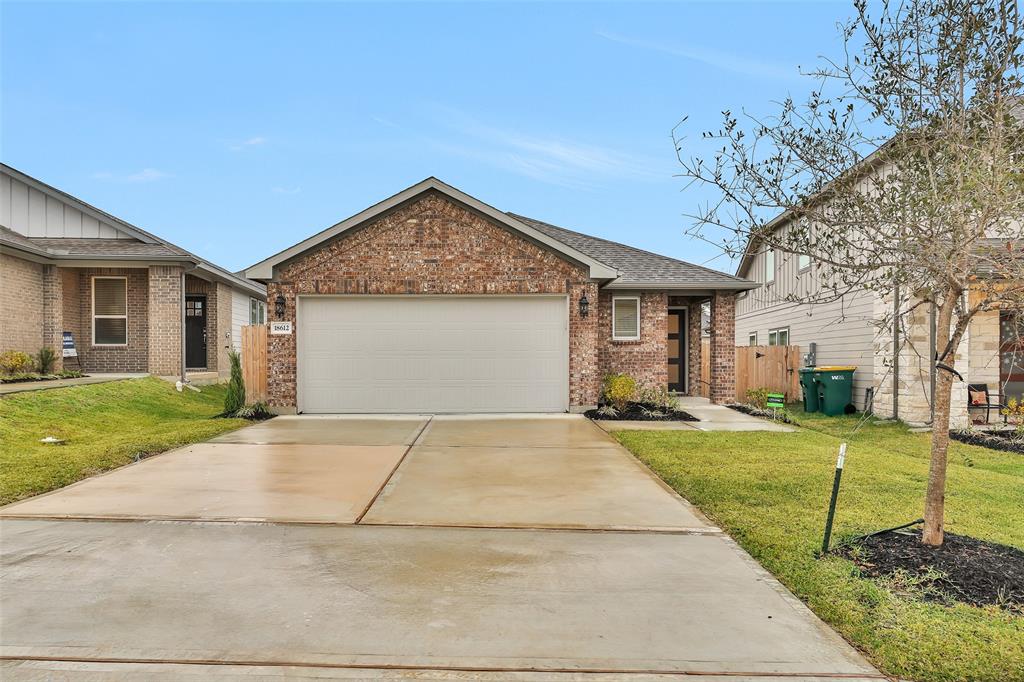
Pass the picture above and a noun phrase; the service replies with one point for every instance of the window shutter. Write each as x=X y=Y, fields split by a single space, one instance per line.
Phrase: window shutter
x=111 y=297
x=626 y=318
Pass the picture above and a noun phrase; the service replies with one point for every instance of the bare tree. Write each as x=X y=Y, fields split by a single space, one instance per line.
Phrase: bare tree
x=902 y=171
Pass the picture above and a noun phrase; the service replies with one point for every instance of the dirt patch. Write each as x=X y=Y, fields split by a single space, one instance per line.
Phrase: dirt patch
x=643 y=412
x=996 y=441
x=963 y=569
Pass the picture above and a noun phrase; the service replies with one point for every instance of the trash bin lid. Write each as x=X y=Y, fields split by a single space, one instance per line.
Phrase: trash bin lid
x=836 y=368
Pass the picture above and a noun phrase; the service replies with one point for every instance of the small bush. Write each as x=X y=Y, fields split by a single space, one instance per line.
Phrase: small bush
x=619 y=390
x=234 y=399
x=256 y=411
x=15 y=362
x=758 y=397
x=659 y=398
x=45 y=360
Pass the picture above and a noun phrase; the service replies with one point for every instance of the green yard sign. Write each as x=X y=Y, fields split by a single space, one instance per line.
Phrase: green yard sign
x=776 y=401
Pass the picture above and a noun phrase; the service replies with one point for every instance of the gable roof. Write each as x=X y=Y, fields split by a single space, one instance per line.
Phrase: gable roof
x=618 y=265
x=143 y=246
x=264 y=270
x=639 y=268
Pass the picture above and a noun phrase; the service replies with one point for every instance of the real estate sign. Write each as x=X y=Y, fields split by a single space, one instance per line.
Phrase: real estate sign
x=68 y=346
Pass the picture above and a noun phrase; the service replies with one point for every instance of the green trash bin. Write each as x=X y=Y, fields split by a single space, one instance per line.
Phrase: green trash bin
x=810 y=389
x=835 y=389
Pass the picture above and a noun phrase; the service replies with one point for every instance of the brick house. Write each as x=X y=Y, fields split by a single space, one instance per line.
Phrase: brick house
x=132 y=302
x=432 y=301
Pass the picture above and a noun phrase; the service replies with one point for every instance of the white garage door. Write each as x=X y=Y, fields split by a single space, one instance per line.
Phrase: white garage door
x=433 y=354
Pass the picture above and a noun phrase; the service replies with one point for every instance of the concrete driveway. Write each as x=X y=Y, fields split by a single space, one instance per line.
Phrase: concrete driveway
x=384 y=548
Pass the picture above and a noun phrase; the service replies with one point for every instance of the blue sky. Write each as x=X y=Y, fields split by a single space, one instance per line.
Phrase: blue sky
x=237 y=129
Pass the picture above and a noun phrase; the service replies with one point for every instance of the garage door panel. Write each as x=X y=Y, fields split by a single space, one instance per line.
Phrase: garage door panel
x=433 y=354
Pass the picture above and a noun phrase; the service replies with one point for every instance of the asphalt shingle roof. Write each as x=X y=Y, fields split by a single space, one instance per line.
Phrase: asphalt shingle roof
x=639 y=267
x=72 y=246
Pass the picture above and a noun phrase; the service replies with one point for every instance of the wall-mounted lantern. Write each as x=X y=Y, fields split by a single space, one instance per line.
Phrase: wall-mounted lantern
x=279 y=307
x=584 y=305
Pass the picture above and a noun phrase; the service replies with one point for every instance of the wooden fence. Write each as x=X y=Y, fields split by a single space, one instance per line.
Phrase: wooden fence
x=771 y=367
x=254 y=362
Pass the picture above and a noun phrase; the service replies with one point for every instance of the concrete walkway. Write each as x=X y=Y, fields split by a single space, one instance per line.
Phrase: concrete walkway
x=711 y=418
x=437 y=548
x=24 y=386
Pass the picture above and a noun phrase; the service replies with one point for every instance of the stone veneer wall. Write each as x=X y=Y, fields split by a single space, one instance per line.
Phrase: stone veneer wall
x=21 y=305
x=432 y=246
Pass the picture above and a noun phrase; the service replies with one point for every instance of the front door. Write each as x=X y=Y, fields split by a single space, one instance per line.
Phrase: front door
x=677 y=350
x=195 y=332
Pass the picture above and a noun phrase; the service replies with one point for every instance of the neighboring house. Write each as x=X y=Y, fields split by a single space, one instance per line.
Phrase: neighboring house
x=132 y=301
x=846 y=332
x=432 y=301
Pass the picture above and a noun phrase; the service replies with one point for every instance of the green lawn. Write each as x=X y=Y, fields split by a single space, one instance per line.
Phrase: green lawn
x=770 y=492
x=105 y=425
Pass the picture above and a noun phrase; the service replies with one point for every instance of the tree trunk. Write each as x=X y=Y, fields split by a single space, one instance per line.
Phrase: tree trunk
x=935 y=497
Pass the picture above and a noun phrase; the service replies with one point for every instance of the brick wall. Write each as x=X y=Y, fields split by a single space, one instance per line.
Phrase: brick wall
x=431 y=246
x=723 y=348
x=165 y=321
x=53 y=312
x=130 y=358
x=21 y=305
x=646 y=359
x=222 y=338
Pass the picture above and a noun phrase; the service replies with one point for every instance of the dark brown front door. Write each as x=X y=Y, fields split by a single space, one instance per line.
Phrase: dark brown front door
x=677 y=350
x=195 y=332
x=1011 y=354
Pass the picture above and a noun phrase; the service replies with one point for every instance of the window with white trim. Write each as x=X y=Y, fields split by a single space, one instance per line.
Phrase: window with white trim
x=626 y=318
x=803 y=261
x=110 y=311
x=769 y=266
x=257 y=311
x=778 y=337
x=752 y=338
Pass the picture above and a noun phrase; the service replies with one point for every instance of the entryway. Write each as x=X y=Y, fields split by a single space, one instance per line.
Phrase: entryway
x=195 y=332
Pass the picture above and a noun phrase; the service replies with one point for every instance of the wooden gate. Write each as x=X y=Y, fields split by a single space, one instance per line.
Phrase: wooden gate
x=254 y=362
x=771 y=367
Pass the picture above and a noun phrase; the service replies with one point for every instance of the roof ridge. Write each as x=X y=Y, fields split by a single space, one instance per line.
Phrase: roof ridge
x=628 y=246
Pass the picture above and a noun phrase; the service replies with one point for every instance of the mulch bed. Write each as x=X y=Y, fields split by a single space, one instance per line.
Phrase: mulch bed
x=779 y=416
x=995 y=441
x=966 y=569
x=635 y=412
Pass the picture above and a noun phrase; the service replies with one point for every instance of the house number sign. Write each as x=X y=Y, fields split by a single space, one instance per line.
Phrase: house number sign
x=280 y=327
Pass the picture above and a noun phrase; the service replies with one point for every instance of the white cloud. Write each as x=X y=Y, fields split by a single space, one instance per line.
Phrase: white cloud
x=553 y=159
x=144 y=175
x=245 y=144
x=285 y=190
x=727 y=61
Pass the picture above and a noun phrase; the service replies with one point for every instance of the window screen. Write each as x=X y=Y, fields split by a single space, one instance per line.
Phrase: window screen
x=109 y=311
x=626 y=318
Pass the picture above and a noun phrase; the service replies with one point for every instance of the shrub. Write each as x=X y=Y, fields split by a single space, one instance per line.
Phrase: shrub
x=619 y=390
x=256 y=411
x=758 y=397
x=1014 y=413
x=234 y=399
x=45 y=360
x=15 y=362
x=658 y=398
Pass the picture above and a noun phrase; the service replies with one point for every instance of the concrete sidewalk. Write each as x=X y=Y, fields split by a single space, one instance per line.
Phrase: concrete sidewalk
x=24 y=386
